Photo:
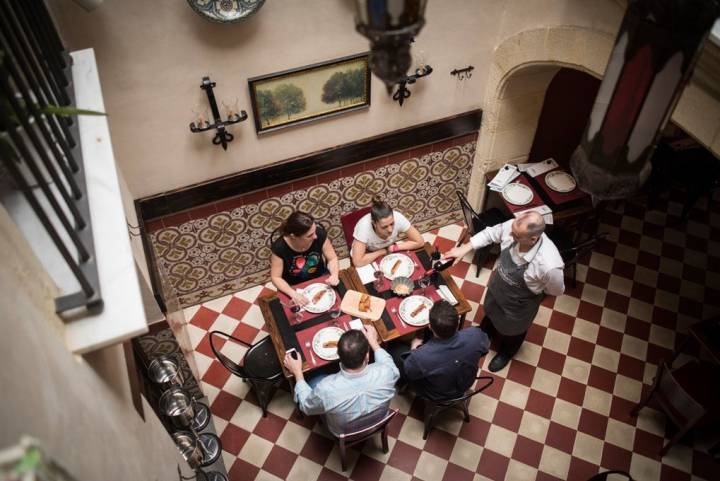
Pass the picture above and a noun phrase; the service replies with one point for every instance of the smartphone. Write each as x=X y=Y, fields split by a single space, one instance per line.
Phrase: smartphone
x=293 y=352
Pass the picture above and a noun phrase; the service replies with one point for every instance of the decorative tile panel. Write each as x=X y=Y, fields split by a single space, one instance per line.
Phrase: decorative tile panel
x=219 y=253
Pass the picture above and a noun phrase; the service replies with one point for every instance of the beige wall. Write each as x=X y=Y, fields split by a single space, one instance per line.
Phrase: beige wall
x=151 y=60
x=78 y=407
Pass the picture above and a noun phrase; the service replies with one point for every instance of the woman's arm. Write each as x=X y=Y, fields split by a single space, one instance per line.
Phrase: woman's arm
x=332 y=262
x=276 y=269
x=414 y=240
x=360 y=256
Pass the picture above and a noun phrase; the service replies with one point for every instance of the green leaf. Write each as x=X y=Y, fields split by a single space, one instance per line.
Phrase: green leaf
x=29 y=462
x=68 y=111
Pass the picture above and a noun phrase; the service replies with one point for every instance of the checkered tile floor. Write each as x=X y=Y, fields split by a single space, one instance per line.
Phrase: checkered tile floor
x=558 y=412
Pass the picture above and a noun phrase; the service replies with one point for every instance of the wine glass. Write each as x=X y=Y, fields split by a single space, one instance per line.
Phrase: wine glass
x=296 y=309
x=378 y=280
x=424 y=282
x=335 y=310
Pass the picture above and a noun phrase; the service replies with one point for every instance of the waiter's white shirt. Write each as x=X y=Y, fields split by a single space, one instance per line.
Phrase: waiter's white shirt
x=545 y=269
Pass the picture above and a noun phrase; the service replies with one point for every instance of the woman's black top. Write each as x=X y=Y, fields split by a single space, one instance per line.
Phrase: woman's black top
x=301 y=266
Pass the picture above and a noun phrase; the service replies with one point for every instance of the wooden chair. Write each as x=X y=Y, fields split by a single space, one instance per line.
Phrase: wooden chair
x=434 y=407
x=688 y=395
x=570 y=252
x=348 y=222
x=260 y=366
x=474 y=223
x=346 y=440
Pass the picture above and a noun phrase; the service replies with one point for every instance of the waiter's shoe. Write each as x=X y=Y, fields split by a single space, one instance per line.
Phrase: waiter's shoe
x=499 y=362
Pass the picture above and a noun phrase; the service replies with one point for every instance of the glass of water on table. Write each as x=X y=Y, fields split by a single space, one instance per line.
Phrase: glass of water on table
x=296 y=309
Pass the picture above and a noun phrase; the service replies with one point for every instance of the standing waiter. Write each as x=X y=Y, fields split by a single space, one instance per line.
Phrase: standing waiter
x=529 y=267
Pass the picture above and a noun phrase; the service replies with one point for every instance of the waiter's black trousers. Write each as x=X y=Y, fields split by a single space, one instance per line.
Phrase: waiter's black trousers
x=505 y=345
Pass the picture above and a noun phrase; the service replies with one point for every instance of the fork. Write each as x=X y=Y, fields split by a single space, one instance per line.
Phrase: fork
x=394 y=311
x=312 y=358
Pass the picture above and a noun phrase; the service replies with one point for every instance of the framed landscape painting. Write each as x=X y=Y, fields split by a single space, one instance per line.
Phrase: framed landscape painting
x=310 y=93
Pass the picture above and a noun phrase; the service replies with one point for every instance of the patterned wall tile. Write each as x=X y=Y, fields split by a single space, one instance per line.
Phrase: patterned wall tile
x=210 y=256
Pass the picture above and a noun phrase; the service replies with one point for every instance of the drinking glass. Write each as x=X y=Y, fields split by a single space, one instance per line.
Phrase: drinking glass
x=424 y=282
x=378 y=283
x=335 y=310
x=296 y=309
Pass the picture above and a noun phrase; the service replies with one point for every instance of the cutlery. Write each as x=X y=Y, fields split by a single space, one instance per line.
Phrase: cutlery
x=312 y=358
x=394 y=311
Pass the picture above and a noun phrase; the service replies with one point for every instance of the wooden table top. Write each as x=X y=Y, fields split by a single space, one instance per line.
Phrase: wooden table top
x=560 y=214
x=462 y=307
x=350 y=278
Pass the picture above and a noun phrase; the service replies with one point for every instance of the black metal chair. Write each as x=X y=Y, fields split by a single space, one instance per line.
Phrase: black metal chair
x=346 y=440
x=474 y=223
x=433 y=407
x=260 y=366
x=687 y=395
x=571 y=252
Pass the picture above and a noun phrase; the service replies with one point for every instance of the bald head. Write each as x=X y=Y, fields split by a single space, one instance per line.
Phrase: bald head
x=528 y=228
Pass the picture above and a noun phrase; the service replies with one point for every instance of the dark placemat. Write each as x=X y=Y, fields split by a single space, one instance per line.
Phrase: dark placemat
x=287 y=332
x=548 y=199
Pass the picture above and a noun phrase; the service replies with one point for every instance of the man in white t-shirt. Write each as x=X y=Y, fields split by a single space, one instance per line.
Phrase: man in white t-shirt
x=376 y=234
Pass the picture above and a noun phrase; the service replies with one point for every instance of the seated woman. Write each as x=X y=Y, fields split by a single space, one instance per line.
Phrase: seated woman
x=302 y=252
x=376 y=234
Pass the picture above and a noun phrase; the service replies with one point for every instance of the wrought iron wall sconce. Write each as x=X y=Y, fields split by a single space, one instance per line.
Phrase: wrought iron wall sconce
x=463 y=73
x=222 y=136
x=402 y=92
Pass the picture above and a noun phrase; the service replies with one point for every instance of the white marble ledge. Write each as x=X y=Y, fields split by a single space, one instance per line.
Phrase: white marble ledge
x=123 y=316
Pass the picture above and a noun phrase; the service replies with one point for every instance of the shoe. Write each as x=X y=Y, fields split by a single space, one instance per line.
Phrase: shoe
x=498 y=362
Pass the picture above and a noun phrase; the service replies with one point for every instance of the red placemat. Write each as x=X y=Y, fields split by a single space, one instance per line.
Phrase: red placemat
x=306 y=335
x=559 y=198
x=394 y=303
x=535 y=202
x=306 y=316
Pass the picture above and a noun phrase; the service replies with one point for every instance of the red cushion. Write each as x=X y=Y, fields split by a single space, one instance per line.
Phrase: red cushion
x=348 y=222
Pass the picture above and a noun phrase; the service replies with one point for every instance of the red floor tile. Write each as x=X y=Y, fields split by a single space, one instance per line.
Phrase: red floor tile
x=508 y=416
x=668 y=473
x=453 y=472
x=245 y=333
x=560 y=437
x=590 y=312
x=620 y=409
x=540 y=403
x=624 y=269
x=233 y=438
x=236 y=308
x=581 y=349
x=614 y=457
x=520 y=372
x=649 y=261
x=492 y=464
x=204 y=318
x=280 y=461
x=270 y=427
x=225 y=405
x=609 y=338
x=242 y=471
x=562 y=322
x=637 y=328
x=571 y=391
x=617 y=302
x=668 y=283
x=367 y=469
x=593 y=423
x=472 y=291
x=647 y=444
x=404 y=457
x=643 y=293
x=216 y=375
x=317 y=448
x=527 y=451
x=631 y=367
x=628 y=238
x=475 y=431
x=328 y=475
x=440 y=443
x=551 y=361
x=581 y=469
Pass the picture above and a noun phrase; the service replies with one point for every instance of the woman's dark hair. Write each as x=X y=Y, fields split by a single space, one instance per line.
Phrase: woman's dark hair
x=380 y=209
x=353 y=346
x=297 y=224
x=443 y=319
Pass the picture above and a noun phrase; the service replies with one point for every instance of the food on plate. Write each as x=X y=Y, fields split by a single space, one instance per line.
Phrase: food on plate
x=402 y=289
x=318 y=295
x=417 y=310
x=364 y=304
x=395 y=267
x=330 y=344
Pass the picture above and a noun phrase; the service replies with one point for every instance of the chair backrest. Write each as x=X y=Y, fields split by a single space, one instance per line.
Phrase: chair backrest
x=348 y=222
x=227 y=363
x=604 y=476
x=361 y=434
x=579 y=250
x=450 y=402
x=469 y=215
x=674 y=396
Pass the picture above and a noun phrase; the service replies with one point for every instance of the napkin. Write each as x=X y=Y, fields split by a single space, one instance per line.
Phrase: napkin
x=444 y=292
x=505 y=175
x=544 y=210
x=366 y=273
x=539 y=168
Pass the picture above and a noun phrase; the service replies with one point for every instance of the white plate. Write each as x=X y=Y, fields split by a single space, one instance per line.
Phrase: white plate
x=517 y=193
x=560 y=181
x=408 y=305
x=324 y=335
x=325 y=302
x=405 y=269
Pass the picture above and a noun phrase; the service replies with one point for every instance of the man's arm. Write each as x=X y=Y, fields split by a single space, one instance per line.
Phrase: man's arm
x=487 y=236
x=554 y=282
x=308 y=400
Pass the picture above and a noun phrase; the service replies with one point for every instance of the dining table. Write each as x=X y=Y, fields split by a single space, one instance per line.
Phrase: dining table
x=288 y=333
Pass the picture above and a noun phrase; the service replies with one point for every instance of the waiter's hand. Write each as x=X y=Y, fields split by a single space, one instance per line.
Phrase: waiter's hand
x=458 y=252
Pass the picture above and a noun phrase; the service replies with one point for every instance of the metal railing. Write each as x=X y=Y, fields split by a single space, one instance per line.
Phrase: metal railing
x=39 y=142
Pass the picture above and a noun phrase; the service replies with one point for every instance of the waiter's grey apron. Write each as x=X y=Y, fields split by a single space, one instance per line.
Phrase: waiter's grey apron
x=509 y=304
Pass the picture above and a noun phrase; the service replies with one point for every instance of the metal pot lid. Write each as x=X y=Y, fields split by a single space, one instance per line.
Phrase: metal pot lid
x=202 y=417
x=225 y=11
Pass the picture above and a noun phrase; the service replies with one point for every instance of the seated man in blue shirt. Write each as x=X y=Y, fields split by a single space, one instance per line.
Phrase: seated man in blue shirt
x=359 y=394
x=446 y=365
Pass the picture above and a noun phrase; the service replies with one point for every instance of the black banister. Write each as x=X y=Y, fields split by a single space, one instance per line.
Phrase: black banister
x=40 y=147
